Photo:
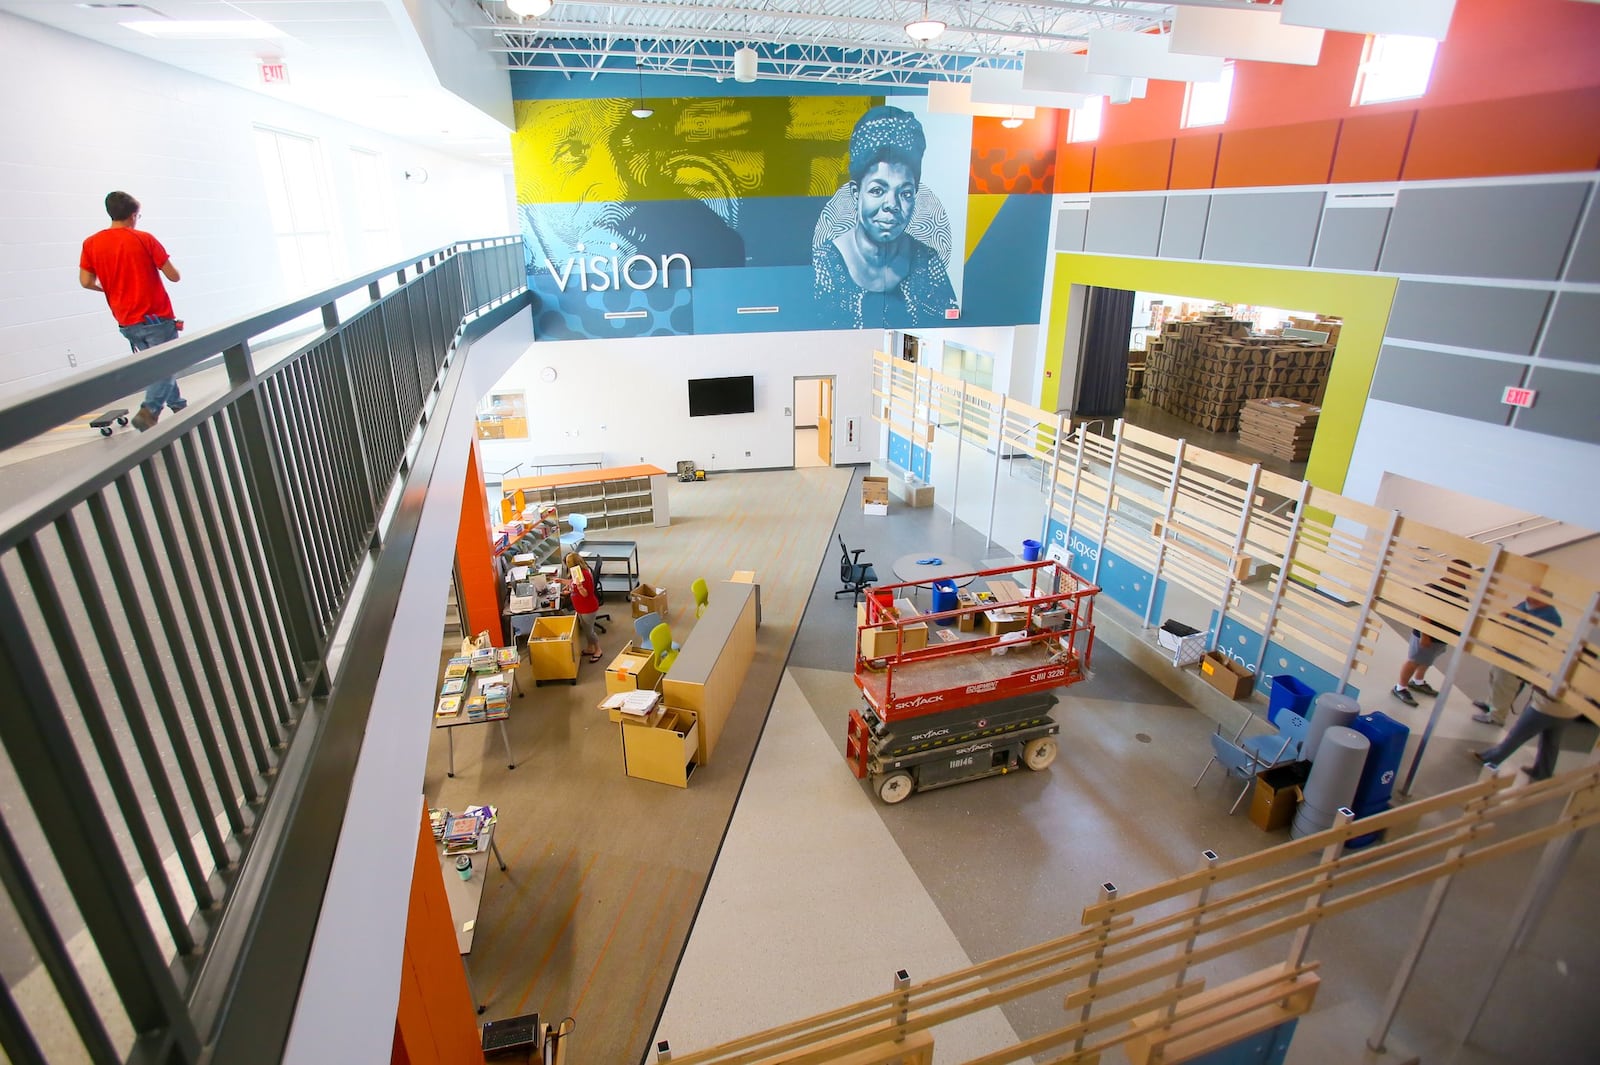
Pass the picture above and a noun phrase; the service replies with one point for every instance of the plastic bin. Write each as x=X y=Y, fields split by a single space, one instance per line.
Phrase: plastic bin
x=944 y=599
x=1032 y=550
x=1291 y=694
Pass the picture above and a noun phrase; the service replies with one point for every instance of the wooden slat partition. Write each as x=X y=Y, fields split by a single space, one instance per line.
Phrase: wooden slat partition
x=1130 y=951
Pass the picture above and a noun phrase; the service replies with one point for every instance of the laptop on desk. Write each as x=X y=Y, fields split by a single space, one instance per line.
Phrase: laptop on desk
x=512 y=1035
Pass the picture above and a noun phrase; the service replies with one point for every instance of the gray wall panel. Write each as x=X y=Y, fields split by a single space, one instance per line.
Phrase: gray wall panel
x=1070 y=226
x=1125 y=225
x=1468 y=316
x=1585 y=264
x=1274 y=228
x=1183 y=230
x=1519 y=231
x=1565 y=407
x=1450 y=384
x=1351 y=238
x=1574 y=330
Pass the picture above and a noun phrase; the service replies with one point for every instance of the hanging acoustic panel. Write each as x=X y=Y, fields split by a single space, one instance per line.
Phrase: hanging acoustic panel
x=1229 y=33
x=1144 y=55
x=1413 y=18
x=1069 y=72
x=955 y=98
x=1005 y=87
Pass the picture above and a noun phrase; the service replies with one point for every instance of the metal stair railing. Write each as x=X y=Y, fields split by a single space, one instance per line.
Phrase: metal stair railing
x=172 y=623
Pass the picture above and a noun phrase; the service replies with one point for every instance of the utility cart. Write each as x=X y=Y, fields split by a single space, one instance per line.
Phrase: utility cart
x=964 y=693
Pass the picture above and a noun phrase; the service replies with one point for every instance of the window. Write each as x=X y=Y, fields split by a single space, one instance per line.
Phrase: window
x=1206 y=102
x=377 y=243
x=1394 y=68
x=297 y=199
x=503 y=416
x=1083 y=123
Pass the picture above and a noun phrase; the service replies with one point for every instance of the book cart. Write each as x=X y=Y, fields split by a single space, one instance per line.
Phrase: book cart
x=475 y=692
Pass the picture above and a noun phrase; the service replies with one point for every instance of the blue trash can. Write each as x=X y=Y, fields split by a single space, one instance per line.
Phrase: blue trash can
x=1291 y=694
x=944 y=598
x=1031 y=550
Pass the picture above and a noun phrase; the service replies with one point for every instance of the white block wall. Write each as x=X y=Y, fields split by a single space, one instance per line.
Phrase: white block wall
x=79 y=119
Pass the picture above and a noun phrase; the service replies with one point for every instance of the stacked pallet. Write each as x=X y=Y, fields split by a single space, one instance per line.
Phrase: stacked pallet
x=1206 y=369
x=1279 y=427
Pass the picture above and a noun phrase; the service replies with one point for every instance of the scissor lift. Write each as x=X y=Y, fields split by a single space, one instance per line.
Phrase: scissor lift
x=974 y=703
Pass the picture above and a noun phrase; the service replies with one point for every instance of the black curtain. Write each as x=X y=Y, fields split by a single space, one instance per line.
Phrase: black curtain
x=1103 y=370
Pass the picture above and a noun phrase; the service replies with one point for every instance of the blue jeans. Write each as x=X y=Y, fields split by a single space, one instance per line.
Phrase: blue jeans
x=147 y=334
x=1530 y=723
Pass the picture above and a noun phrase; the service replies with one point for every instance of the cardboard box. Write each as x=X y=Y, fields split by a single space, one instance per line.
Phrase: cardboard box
x=1226 y=675
x=965 y=622
x=632 y=670
x=1000 y=622
x=875 y=495
x=883 y=641
x=1277 y=793
x=648 y=599
x=916 y=493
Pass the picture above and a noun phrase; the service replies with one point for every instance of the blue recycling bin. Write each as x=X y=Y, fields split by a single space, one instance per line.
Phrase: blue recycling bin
x=1388 y=746
x=1291 y=694
x=944 y=598
x=1032 y=550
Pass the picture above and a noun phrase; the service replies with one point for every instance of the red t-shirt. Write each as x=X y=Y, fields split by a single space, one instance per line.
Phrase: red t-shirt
x=128 y=261
x=584 y=601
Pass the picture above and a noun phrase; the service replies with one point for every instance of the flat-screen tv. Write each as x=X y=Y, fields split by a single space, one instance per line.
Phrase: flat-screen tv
x=721 y=395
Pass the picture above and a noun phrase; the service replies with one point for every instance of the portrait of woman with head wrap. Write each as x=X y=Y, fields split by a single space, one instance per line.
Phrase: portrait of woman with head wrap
x=873 y=271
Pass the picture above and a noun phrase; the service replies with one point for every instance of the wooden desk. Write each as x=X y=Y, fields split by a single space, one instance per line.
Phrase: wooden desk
x=710 y=668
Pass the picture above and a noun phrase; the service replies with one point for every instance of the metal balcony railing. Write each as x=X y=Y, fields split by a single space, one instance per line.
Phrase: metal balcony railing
x=181 y=711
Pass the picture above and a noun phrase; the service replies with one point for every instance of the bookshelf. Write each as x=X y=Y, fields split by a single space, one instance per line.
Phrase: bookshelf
x=612 y=498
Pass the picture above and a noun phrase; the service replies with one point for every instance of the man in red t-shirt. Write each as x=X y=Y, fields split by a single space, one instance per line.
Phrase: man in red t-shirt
x=127 y=264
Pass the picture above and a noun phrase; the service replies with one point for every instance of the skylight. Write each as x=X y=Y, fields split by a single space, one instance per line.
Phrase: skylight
x=1394 y=68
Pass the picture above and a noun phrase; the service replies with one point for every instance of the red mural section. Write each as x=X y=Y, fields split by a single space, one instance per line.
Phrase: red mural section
x=1515 y=90
x=1015 y=160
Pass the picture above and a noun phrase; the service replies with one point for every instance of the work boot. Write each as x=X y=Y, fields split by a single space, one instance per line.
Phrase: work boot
x=145 y=418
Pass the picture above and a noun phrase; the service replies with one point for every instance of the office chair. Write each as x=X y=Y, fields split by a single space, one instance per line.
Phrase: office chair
x=643 y=627
x=702 y=595
x=661 y=644
x=854 y=574
x=594 y=565
x=570 y=540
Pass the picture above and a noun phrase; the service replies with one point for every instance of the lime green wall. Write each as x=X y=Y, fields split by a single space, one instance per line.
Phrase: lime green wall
x=1362 y=300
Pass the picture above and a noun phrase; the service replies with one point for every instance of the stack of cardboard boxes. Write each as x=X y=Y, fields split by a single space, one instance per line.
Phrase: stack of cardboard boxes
x=1280 y=427
x=1204 y=370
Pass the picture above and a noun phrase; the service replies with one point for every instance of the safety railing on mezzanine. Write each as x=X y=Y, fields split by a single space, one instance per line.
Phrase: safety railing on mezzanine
x=183 y=620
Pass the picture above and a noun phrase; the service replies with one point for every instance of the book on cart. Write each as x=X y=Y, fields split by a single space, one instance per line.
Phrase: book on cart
x=437 y=818
x=476 y=708
x=508 y=657
x=457 y=666
x=484 y=660
x=453 y=686
x=449 y=706
x=493 y=685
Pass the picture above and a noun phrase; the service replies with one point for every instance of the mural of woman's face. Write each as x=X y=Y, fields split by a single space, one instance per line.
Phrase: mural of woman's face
x=884 y=199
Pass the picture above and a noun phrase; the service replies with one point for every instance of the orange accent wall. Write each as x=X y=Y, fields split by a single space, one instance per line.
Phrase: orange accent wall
x=436 y=1021
x=1284 y=155
x=480 y=608
x=1540 y=134
x=1132 y=167
x=1194 y=161
x=1006 y=161
x=1514 y=91
x=1372 y=147
x=1074 y=166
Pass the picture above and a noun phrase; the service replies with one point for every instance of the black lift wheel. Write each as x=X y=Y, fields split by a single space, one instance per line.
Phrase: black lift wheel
x=896 y=787
x=1039 y=753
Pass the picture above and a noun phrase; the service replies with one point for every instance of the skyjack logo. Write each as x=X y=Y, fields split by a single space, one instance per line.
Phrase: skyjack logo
x=930 y=734
x=922 y=700
x=974 y=747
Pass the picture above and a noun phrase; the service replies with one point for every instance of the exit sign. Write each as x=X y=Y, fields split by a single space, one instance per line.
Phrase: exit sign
x=1518 y=397
x=274 y=73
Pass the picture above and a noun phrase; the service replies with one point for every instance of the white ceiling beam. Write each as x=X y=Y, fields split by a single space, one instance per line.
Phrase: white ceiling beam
x=1412 y=18
x=1259 y=36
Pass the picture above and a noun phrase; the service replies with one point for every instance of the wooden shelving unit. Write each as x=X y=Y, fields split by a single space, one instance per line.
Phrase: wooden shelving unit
x=610 y=498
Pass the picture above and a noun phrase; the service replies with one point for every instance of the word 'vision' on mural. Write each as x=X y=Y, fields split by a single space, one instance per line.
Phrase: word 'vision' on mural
x=598 y=273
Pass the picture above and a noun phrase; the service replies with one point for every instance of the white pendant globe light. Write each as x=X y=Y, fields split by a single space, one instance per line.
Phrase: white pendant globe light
x=529 y=8
x=924 y=29
x=643 y=110
x=744 y=65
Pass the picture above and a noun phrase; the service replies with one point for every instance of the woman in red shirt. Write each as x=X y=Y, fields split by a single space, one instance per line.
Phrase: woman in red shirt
x=585 y=602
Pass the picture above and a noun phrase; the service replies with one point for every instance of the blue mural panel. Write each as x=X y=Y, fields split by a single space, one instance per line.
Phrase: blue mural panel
x=1123 y=580
x=1243 y=644
x=718 y=295
x=900 y=450
x=1270 y=1047
x=1005 y=273
x=921 y=460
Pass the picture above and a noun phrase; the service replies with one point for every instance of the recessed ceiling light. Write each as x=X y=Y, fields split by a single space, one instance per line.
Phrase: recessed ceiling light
x=206 y=29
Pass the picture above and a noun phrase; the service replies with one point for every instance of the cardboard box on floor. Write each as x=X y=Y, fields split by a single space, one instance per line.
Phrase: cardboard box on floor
x=648 y=599
x=880 y=642
x=875 y=495
x=1226 y=675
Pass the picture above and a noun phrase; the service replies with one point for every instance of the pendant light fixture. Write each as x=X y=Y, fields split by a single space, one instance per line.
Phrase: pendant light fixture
x=529 y=8
x=642 y=110
x=924 y=29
